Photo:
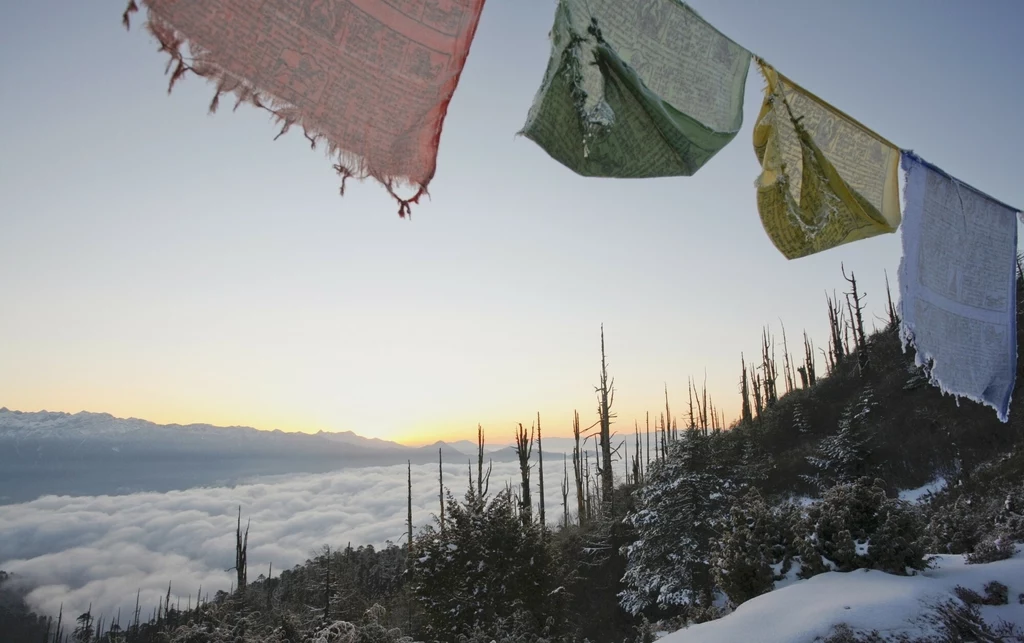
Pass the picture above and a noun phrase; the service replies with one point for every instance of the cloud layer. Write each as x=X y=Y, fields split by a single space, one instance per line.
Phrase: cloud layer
x=100 y=550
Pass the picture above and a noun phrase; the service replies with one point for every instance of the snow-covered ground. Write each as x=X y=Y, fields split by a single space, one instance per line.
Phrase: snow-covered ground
x=916 y=495
x=865 y=600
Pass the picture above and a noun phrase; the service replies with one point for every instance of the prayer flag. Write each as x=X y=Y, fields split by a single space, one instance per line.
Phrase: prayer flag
x=826 y=180
x=958 y=286
x=643 y=88
x=371 y=78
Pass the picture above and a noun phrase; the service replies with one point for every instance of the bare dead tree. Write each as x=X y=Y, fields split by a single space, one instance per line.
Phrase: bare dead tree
x=483 y=480
x=648 y=436
x=540 y=472
x=894 y=316
x=808 y=366
x=440 y=488
x=409 y=506
x=769 y=369
x=138 y=610
x=787 y=363
x=625 y=460
x=668 y=411
x=241 y=549
x=59 y=634
x=577 y=469
x=524 y=449
x=855 y=302
x=704 y=404
x=565 y=490
x=689 y=391
x=327 y=582
x=702 y=419
x=638 y=461
x=664 y=434
x=657 y=452
x=746 y=415
x=605 y=397
x=835 y=320
x=589 y=496
x=758 y=394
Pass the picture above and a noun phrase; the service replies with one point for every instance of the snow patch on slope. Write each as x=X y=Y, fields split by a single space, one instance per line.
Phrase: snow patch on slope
x=865 y=600
x=916 y=495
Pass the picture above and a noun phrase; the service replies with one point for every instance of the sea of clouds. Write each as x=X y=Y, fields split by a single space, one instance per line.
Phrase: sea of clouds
x=100 y=550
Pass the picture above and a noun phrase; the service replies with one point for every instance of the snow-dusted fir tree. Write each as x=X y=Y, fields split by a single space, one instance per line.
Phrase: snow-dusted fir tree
x=677 y=516
x=800 y=423
x=842 y=457
x=485 y=567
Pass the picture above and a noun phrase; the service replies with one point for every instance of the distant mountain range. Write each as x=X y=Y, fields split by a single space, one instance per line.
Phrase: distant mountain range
x=46 y=452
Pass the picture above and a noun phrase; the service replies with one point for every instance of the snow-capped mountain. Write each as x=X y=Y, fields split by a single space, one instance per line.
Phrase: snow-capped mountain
x=49 y=452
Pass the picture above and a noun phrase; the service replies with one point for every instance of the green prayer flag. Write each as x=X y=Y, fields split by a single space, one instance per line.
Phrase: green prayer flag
x=636 y=89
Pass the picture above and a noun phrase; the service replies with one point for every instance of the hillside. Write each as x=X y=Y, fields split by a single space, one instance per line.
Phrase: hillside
x=854 y=500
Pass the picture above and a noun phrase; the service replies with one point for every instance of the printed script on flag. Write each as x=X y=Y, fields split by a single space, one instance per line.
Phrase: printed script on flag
x=826 y=180
x=958 y=288
x=636 y=89
x=371 y=78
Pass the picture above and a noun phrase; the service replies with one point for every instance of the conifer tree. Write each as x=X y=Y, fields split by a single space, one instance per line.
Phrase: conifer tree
x=842 y=456
x=675 y=521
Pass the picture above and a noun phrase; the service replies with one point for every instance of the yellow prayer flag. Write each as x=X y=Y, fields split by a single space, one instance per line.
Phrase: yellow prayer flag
x=826 y=179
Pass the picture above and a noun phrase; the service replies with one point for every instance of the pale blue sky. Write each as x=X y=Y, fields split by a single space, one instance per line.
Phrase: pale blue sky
x=162 y=263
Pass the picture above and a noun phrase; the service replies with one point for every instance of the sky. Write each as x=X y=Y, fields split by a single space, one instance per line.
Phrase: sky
x=161 y=263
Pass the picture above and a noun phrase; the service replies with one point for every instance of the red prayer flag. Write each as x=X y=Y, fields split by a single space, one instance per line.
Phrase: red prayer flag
x=371 y=78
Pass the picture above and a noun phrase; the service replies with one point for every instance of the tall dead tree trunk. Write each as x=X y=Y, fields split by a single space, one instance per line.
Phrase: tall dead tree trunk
x=409 y=506
x=836 y=323
x=809 y=361
x=524 y=449
x=704 y=404
x=855 y=301
x=746 y=415
x=689 y=390
x=668 y=411
x=758 y=394
x=440 y=487
x=894 y=316
x=787 y=363
x=589 y=502
x=565 y=491
x=769 y=369
x=241 y=551
x=540 y=473
x=648 y=436
x=637 y=461
x=327 y=583
x=577 y=469
x=483 y=480
x=606 y=397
